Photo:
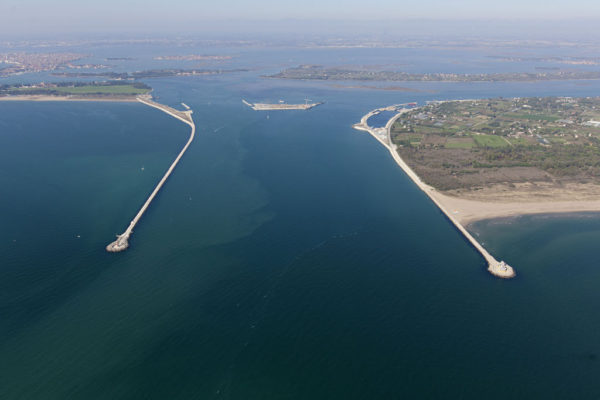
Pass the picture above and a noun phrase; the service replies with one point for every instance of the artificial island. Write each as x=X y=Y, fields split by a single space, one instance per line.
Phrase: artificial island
x=281 y=105
x=481 y=159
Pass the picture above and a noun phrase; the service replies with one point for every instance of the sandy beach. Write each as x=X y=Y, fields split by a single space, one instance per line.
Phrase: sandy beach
x=468 y=210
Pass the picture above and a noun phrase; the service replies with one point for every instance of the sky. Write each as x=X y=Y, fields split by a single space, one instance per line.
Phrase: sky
x=23 y=16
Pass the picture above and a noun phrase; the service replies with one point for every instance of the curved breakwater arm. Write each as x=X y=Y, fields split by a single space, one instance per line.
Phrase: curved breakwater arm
x=122 y=242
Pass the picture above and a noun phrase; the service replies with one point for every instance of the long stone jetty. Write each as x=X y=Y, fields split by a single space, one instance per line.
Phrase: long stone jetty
x=383 y=135
x=122 y=241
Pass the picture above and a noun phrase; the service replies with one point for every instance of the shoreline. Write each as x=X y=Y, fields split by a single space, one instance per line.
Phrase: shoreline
x=468 y=211
x=383 y=136
x=541 y=216
x=472 y=207
x=468 y=207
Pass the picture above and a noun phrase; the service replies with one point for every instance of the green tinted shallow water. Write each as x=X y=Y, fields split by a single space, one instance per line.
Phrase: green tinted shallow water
x=286 y=257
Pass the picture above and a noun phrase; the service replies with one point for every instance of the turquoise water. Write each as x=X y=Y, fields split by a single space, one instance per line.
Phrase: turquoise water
x=286 y=257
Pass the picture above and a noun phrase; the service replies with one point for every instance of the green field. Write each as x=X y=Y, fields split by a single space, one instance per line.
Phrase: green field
x=102 y=89
x=105 y=90
x=490 y=141
x=459 y=143
x=534 y=117
x=557 y=140
x=520 y=141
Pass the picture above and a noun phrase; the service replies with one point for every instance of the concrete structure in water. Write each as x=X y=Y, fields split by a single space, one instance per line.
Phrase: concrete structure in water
x=122 y=242
x=280 y=106
x=383 y=135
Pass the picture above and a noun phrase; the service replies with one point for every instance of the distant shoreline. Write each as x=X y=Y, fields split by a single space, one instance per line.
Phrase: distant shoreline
x=320 y=73
x=34 y=97
x=385 y=88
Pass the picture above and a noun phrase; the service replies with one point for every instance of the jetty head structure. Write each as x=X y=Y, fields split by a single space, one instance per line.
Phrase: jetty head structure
x=122 y=242
x=383 y=135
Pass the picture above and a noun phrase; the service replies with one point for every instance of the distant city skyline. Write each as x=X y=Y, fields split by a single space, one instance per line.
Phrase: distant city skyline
x=31 y=16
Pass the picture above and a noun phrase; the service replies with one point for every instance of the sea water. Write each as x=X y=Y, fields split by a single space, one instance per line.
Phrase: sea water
x=286 y=257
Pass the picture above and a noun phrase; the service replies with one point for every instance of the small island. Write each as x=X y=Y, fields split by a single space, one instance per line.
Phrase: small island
x=280 y=106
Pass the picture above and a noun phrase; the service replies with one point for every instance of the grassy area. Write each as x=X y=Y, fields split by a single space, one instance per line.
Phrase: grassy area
x=82 y=90
x=474 y=143
x=459 y=143
x=405 y=139
x=557 y=140
x=535 y=117
x=519 y=141
x=490 y=141
x=124 y=89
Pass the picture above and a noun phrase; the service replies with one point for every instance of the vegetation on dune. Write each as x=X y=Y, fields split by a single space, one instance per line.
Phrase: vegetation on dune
x=110 y=88
x=470 y=144
x=102 y=89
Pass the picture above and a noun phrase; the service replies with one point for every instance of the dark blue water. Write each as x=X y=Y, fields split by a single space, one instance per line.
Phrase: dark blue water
x=286 y=257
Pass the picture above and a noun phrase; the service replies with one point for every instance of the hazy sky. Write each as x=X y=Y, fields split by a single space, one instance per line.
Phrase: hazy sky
x=62 y=15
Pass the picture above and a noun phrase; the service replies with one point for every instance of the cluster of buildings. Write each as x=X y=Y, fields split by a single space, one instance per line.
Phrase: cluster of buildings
x=35 y=62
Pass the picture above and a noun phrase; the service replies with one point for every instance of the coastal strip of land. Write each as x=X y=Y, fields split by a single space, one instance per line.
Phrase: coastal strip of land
x=34 y=97
x=505 y=157
x=122 y=242
x=495 y=267
x=75 y=91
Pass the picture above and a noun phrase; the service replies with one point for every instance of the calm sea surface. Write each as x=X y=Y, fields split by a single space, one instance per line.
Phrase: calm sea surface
x=286 y=257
